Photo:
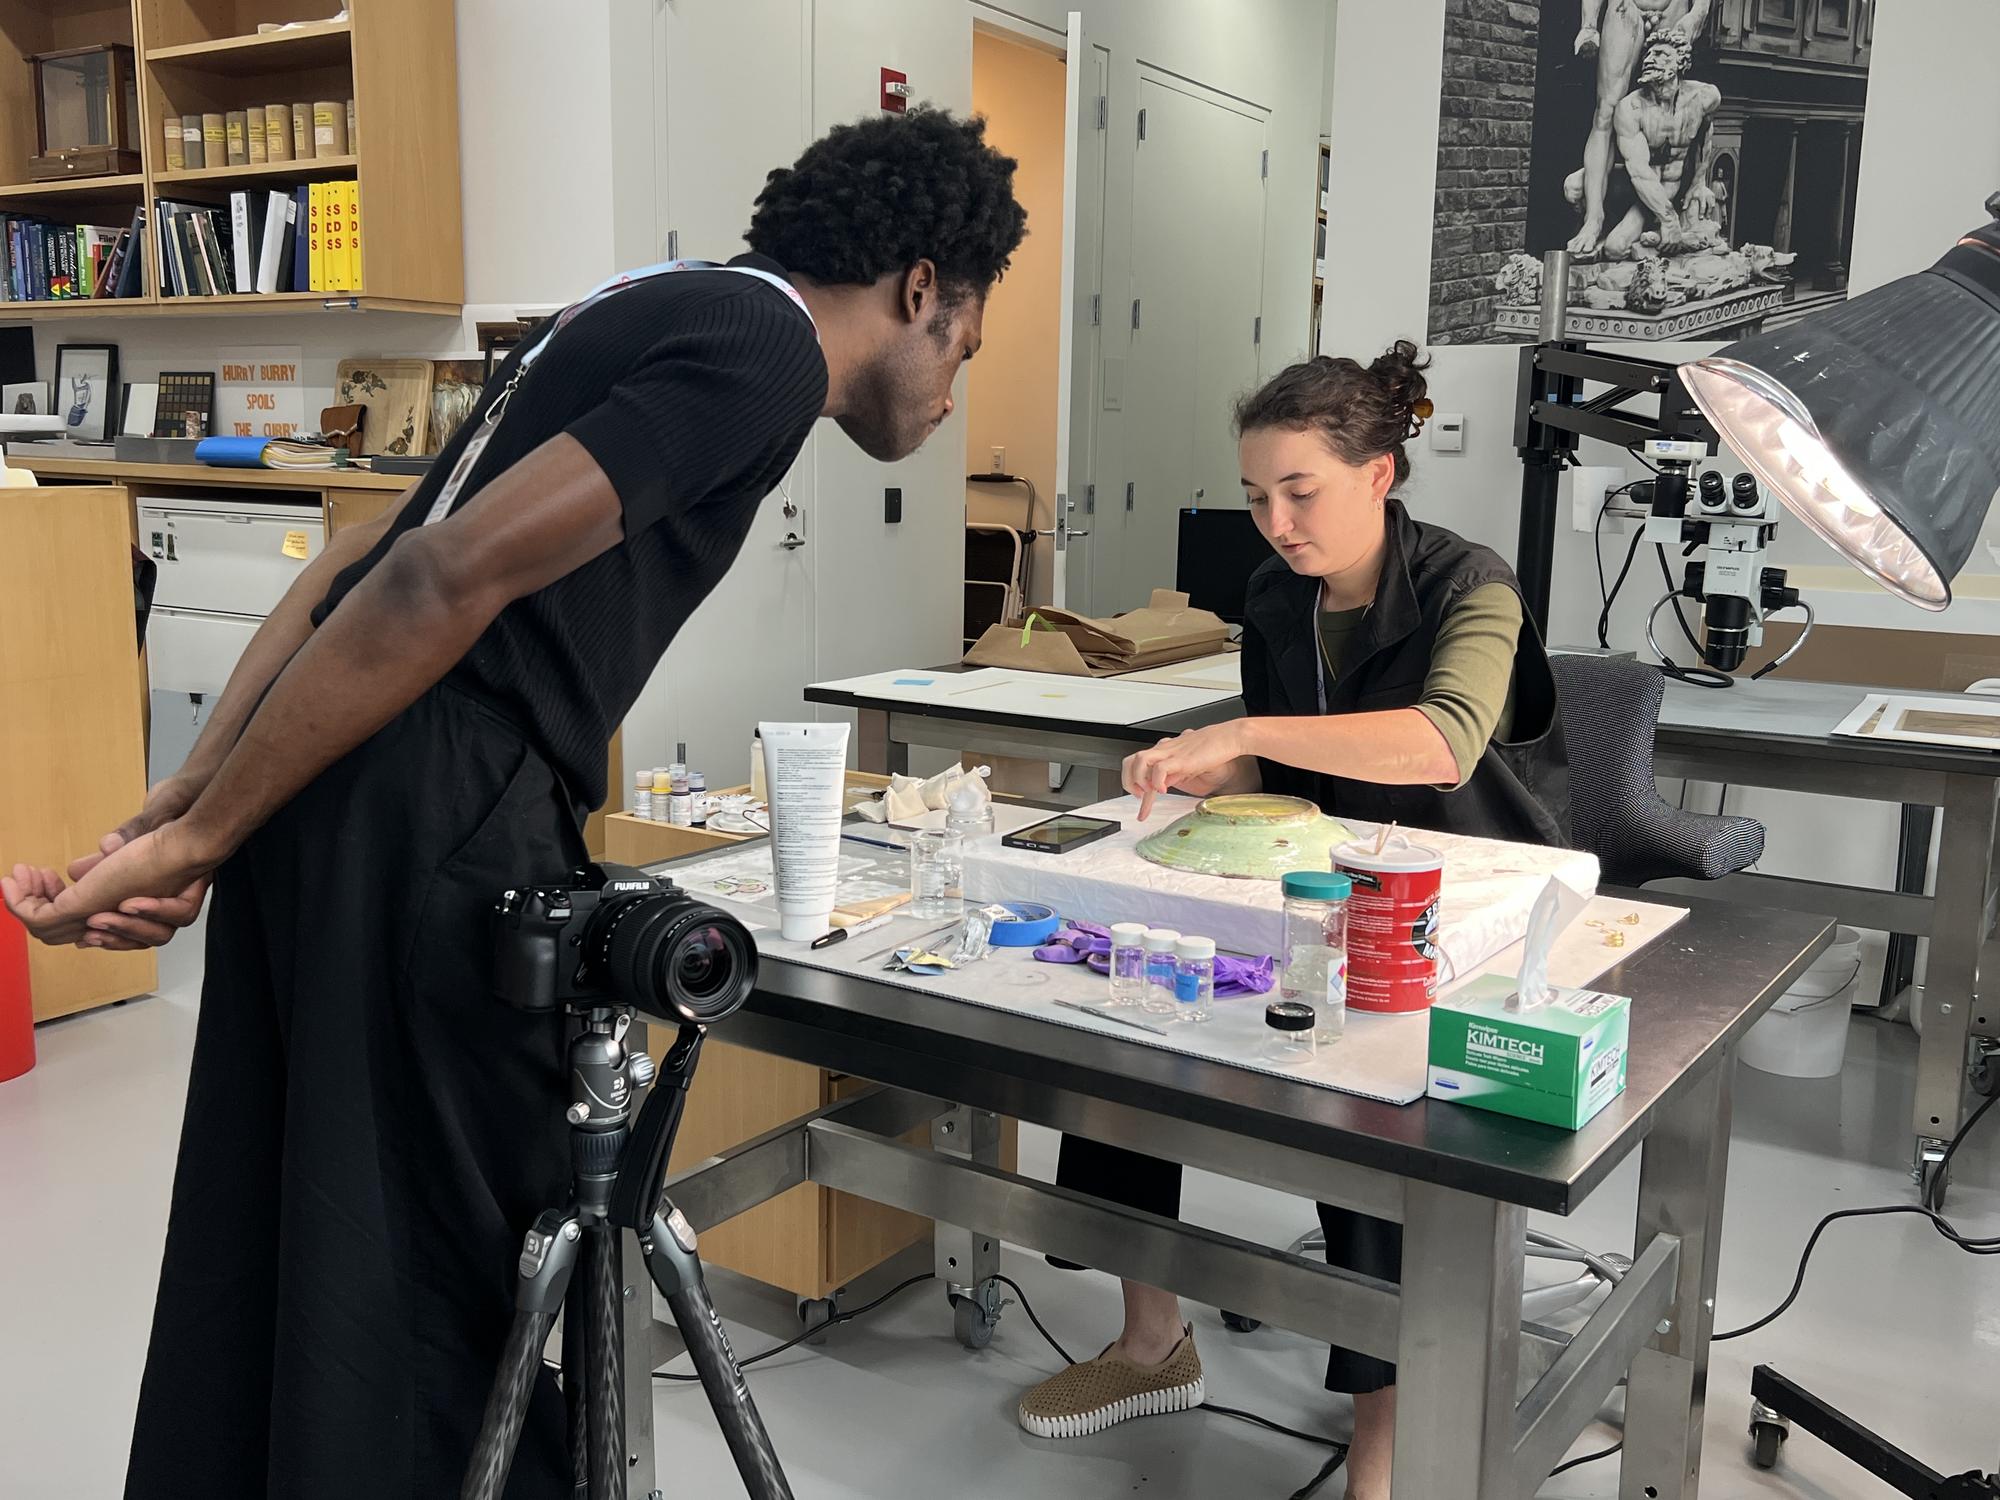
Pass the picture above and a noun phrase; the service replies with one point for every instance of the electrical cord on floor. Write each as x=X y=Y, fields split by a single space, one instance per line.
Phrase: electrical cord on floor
x=1587 y=1458
x=816 y=1329
x=1945 y=1228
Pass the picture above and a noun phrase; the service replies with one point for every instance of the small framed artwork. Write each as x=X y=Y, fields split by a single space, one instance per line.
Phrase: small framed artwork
x=86 y=394
x=29 y=398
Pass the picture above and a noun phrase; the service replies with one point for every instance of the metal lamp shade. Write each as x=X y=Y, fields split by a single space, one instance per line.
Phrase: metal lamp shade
x=1877 y=422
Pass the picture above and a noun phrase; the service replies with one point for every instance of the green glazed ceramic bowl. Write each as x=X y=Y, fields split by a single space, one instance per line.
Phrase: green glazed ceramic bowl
x=1254 y=837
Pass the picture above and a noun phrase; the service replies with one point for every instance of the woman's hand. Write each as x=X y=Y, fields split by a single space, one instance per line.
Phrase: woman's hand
x=1199 y=762
x=136 y=896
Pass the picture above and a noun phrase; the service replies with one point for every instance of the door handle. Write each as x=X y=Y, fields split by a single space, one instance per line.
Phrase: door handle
x=792 y=542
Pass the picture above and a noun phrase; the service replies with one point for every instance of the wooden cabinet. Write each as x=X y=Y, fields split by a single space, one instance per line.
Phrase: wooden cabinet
x=72 y=755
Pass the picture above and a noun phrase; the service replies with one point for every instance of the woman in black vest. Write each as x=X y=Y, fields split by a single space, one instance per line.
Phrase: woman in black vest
x=1389 y=673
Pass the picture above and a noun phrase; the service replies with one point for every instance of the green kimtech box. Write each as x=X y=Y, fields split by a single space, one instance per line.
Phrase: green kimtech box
x=1559 y=1063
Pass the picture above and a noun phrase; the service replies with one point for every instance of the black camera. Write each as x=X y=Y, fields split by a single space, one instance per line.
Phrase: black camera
x=615 y=936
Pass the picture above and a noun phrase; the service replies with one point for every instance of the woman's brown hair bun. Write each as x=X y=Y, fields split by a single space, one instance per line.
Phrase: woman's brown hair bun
x=1359 y=413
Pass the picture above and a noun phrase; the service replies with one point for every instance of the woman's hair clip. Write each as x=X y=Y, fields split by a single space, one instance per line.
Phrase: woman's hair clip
x=1420 y=413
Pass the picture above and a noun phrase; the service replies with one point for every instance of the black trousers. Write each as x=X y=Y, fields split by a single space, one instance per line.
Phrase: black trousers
x=368 y=1134
x=1355 y=1242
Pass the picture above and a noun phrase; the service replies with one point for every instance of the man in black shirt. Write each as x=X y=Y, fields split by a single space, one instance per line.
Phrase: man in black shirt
x=422 y=723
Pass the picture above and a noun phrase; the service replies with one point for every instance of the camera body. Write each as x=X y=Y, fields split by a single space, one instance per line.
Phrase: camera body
x=614 y=936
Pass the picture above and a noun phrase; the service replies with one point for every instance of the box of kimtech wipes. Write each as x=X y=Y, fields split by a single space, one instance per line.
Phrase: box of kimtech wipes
x=1559 y=1063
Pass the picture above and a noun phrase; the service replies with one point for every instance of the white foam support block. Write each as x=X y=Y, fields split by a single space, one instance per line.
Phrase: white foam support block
x=1489 y=886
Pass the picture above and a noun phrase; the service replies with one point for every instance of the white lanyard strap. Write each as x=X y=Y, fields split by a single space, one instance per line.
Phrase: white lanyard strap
x=454 y=483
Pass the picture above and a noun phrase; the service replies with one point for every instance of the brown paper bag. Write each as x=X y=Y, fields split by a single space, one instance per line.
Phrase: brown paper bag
x=1056 y=640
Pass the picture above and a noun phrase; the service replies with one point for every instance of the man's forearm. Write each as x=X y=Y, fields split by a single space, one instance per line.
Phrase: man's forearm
x=276 y=641
x=392 y=638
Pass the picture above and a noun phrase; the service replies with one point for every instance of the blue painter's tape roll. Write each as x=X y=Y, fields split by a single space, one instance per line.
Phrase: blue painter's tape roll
x=1030 y=925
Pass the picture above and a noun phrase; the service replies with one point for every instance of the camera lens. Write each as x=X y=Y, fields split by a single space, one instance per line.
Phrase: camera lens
x=673 y=958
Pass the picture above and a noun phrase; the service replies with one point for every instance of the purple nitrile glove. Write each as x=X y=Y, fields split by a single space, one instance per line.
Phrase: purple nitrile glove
x=1244 y=976
x=1079 y=943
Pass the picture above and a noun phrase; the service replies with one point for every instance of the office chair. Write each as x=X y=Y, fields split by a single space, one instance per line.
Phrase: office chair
x=1610 y=710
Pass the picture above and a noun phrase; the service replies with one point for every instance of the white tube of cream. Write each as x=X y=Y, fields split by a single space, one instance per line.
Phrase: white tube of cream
x=805 y=775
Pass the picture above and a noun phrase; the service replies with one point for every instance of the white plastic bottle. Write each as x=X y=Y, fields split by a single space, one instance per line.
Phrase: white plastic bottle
x=642 y=795
x=662 y=790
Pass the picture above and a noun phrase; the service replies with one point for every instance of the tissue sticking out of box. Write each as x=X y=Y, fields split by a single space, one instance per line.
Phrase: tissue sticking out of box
x=1555 y=908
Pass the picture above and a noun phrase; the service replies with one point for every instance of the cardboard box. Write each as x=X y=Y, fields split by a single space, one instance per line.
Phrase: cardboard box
x=1559 y=1063
x=1072 y=645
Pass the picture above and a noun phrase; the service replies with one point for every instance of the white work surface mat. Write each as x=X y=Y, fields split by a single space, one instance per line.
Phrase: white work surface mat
x=1489 y=886
x=1033 y=695
x=1379 y=1057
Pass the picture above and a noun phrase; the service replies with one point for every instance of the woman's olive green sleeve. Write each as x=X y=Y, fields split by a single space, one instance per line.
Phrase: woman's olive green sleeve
x=1469 y=691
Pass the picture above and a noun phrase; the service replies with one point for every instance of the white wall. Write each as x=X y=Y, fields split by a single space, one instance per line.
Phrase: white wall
x=1930 y=155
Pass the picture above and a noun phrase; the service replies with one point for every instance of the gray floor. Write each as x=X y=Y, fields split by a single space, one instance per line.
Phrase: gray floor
x=1894 y=1323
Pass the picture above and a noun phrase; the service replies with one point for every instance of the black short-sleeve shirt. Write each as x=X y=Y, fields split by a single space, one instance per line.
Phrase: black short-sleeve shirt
x=694 y=392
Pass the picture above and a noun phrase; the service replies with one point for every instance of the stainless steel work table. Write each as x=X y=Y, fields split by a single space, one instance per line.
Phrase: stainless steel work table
x=1490 y=1404
x=1775 y=733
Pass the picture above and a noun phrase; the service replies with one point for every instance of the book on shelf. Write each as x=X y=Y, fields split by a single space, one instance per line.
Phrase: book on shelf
x=302 y=238
x=241 y=249
x=45 y=261
x=274 y=256
x=237 y=138
x=316 y=238
x=192 y=155
x=176 y=154
x=215 y=140
x=352 y=190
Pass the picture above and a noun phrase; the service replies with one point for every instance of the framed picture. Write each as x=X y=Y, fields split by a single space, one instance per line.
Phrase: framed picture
x=29 y=398
x=86 y=394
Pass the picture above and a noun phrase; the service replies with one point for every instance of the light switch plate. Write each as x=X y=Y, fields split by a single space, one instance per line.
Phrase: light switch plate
x=1447 y=431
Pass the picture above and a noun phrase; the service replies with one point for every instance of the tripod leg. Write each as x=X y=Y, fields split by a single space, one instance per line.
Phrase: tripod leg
x=576 y=1389
x=605 y=1355
x=548 y=1254
x=670 y=1256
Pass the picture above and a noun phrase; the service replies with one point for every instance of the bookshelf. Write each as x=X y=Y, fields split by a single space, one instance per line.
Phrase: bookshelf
x=1320 y=201
x=397 y=59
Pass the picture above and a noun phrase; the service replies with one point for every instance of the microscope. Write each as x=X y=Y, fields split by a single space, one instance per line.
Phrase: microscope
x=1732 y=523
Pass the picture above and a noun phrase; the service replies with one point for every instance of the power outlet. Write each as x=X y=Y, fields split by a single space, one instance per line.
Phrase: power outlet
x=999 y=460
x=892 y=507
x=1587 y=483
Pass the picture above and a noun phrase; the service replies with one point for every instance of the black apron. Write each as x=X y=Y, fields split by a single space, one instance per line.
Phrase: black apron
x=368 y=1134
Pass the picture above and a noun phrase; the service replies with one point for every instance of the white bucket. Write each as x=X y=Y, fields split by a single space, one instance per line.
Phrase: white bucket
x=1805 y=1034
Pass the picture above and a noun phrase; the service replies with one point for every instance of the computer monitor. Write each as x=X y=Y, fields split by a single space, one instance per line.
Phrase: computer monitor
x=1219 y=550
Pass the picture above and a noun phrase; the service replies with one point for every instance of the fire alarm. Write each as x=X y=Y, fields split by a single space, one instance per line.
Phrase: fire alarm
x=895 y=91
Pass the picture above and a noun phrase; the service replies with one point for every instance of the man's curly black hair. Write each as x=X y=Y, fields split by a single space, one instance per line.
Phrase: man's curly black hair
x=876 y=197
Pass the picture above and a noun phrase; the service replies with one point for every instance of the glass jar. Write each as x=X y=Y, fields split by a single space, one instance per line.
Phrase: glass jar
x=1161 y=971
x=1194 y=979
x=1288 y=1033
x=937 y=875
x=1128 y=963
x=1314 y=965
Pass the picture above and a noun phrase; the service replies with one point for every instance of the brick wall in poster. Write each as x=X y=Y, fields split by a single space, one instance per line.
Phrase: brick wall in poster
x=1485 y=121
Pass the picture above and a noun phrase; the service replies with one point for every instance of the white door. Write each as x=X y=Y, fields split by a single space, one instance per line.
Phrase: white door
x=1197 y=291
x=747 y=651
x=1080 y=339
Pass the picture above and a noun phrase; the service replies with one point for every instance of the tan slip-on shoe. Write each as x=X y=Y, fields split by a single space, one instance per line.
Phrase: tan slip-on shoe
x=1110 y=1389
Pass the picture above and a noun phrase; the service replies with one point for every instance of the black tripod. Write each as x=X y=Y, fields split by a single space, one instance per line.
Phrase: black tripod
x=569 y=1260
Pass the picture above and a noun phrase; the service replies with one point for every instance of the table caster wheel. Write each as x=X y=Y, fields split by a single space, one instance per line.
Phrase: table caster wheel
x=1768 y=1438
x=969 y=1323
x=816 y=1313
x=1985 y=1076
x=1237 y=1323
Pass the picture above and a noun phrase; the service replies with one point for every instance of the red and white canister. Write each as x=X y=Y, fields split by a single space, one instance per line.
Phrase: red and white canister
x=1392 y=924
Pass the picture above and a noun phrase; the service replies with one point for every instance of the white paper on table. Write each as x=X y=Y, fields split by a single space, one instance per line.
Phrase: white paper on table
x=1489 y=887
x=1971 y=722
x=1035 y=695
x=1220 y=673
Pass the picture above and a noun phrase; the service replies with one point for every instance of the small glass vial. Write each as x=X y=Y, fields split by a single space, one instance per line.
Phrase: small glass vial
x=680 y=805
x=663 y=789
x=698 y=798
x=1161 y=971
x=969 y=812
x=642 y=795
x=1128 y=963
x=937 y=875
x=1194 y=979
x=1288 y=1033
